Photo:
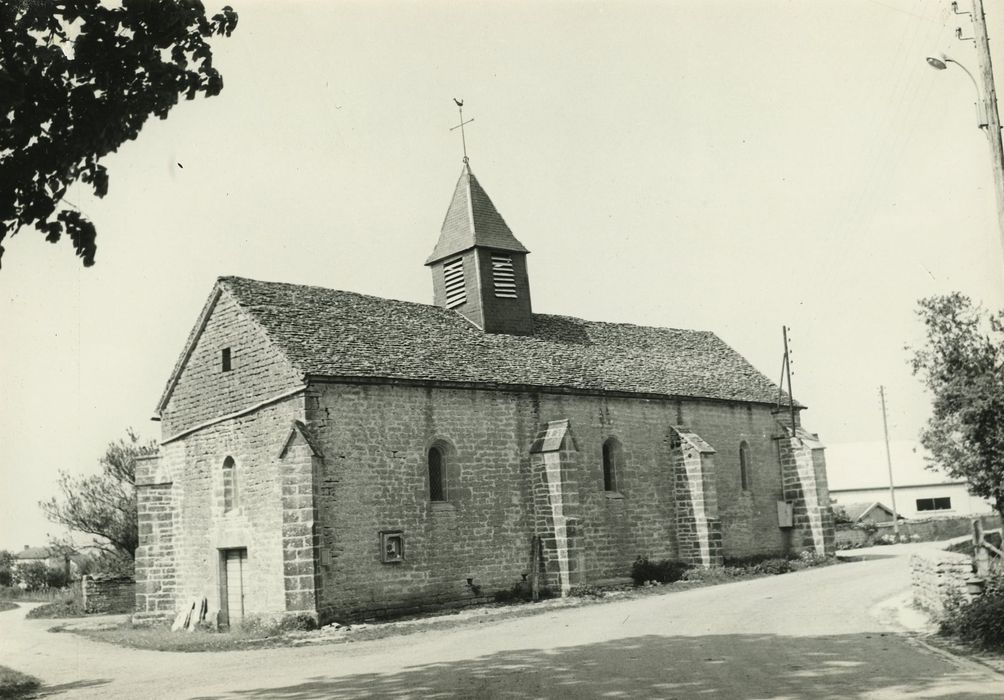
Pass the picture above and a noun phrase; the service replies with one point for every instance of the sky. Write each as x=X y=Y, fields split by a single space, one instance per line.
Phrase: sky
x=729 y=165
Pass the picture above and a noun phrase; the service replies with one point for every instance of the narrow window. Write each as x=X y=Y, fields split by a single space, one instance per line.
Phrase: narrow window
x=744 y=465
x=943 y=503
x=229 y=485
x=226 y=359
x=437 y=474
x=453 y=278
x=611 y=464
x=503 y=277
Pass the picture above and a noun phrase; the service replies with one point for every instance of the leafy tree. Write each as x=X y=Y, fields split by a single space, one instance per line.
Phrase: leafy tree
x=78 y=78
x=6 y=568
x=962 y=365
x=32 y=575
x=104 y=505
x=56 y=577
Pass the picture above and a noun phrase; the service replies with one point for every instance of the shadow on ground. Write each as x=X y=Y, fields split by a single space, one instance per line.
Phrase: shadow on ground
x=49 y=690
x=731 y=666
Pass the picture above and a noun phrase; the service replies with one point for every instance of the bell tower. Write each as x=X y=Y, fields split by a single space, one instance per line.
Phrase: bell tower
x=478 y=266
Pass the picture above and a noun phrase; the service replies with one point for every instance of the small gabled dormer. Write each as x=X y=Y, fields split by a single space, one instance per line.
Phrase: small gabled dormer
x=478 y=266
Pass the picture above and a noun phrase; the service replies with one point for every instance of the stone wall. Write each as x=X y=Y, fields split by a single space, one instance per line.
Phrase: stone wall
x=203 y=391
x=374 y=477
x=185 y=527
x=107 y=594
x=937 y=577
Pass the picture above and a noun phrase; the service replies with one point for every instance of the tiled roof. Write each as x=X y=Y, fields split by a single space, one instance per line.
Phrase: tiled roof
x=472 y=220
x=325 y=332
x=35 y=553
x=857 y=511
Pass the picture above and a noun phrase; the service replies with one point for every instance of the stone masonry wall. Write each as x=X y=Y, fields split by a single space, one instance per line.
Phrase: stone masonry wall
x=202 y=528
x=937 y=577
x=375 y=439
x=204 y=391
x=804 y=469
x=105 y=595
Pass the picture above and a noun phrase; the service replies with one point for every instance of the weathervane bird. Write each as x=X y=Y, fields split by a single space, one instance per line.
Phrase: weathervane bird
x=460 y=103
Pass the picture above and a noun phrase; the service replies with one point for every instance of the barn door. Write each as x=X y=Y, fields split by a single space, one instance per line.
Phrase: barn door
x=232 y=565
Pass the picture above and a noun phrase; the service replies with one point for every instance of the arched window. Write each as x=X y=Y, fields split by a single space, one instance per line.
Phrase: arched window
x=744 y=465
x=229 y=485
x=437 y=473
x=612 y=460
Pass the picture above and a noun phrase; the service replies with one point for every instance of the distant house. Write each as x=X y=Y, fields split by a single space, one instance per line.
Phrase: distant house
x=858 y=474
x=51 y=557
x=855 y=513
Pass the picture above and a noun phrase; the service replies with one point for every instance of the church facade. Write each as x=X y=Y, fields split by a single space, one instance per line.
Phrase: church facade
x=344 y=456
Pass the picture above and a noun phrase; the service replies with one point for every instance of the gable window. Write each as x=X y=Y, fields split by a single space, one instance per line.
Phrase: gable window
x=612 y=459
x=437 y=474
x=229 y=485
x=225 y=357
x=453 y=279
x=503 y=277
x=943 y=503
x=744 y=465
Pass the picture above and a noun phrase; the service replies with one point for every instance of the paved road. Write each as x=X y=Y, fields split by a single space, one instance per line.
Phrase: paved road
x=813 y=634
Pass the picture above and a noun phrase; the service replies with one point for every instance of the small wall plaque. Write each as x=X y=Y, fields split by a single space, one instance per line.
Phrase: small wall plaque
x=391 y=546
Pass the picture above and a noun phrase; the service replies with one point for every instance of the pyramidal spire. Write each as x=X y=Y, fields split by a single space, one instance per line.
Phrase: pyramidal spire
x=471 y=221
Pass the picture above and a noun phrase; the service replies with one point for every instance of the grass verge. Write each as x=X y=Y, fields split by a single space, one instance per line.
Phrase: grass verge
x=57 y=609
x=7 y=605
x=14 y=684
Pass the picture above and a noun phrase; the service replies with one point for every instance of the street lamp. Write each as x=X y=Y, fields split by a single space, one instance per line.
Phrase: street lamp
x=942 y=64
x=987 y=116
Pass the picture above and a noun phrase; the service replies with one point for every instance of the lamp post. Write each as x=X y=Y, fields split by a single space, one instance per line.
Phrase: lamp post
x=989 y=120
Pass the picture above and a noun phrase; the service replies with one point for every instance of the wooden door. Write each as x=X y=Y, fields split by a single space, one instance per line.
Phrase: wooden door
x=234 y=561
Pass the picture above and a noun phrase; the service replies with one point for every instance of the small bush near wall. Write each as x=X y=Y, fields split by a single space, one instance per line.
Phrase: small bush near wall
x=981 y=621
x=645 y=570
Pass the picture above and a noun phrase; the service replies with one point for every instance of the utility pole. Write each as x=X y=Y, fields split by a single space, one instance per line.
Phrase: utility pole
x=888 y=464
x=990 y=107
x=791 y=392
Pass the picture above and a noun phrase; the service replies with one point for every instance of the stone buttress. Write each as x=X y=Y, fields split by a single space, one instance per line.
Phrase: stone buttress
x=803 y=469
x=553 y=458
x=698 y=528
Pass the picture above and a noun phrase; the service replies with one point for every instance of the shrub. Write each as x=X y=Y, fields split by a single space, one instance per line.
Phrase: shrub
x=587 y=591
x=714 y=574
x=59 y=608
x=521 y=593
x=32 y=576
x=981 y=622
x=297 y=623
x=56 y=578
x=772 y=567
x=645 y=570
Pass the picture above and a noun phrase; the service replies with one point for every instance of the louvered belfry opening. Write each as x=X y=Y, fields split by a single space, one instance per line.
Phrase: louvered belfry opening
x=453 y=281
x=478 y=265
x=503 y=277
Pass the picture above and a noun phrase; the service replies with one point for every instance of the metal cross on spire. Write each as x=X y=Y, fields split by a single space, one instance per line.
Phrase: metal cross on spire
x=463 y=137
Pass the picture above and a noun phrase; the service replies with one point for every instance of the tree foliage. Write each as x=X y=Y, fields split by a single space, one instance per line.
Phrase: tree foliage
x=104 y=505
x=6 y=567
x=962 y=365
x=33 y=576
x=78 y=78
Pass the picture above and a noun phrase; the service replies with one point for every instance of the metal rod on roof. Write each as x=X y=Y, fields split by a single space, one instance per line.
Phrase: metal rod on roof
x=791 y=393
x=888 y=464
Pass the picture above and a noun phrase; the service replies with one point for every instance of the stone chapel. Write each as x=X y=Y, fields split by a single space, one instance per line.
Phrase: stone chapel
x=344 y=456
